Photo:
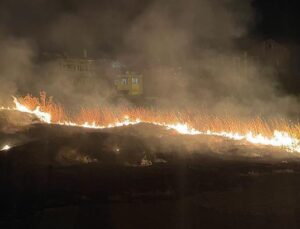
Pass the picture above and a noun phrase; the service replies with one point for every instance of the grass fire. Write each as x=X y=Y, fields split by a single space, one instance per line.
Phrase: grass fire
x=274 y=132
x=149 y=114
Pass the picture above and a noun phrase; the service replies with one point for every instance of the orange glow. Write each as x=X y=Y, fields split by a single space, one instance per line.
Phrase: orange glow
x=278 y=133
x=5 y=148
x=43 y=116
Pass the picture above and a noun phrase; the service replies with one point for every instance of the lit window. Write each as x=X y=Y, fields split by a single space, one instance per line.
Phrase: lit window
x=135 y=80
x=124 y=81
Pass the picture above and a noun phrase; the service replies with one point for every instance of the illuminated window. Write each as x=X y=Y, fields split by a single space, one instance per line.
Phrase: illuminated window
x=135 y=80
x=124 y=81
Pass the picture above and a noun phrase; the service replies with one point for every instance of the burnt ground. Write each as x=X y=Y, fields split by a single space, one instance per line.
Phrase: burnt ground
x=141 y=176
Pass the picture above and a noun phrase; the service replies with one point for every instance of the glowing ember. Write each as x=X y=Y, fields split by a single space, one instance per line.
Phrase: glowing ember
x=5 y=148
x=277 y=139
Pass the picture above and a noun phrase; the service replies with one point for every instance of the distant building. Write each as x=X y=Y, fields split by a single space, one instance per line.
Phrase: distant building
x=85 y=71
x=129 y=83
x=72 y=65
x=83 y=66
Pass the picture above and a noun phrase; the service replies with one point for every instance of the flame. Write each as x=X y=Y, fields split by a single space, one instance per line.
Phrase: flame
x=5 y=148
x=182 y=128
x=278 y=139
x=43 y=116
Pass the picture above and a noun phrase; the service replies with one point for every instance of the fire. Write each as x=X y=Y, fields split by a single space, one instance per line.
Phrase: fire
x=43 y=116
x=183 y=128
x=186 y=124
x=279 y=139
x=5 y=148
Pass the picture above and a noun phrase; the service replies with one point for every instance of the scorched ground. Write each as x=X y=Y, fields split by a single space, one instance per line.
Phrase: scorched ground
x=140 y=176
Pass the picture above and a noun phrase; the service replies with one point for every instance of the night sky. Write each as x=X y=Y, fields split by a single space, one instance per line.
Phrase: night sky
x=276 y=19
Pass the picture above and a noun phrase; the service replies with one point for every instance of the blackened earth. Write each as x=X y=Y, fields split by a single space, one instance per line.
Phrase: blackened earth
x=141 y=176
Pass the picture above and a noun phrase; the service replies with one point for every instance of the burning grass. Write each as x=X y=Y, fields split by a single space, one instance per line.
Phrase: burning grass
x=45 y=104
x=103 y=116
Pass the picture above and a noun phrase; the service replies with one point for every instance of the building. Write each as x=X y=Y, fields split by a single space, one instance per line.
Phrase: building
x=85 y=72
x=77 y=65
x=129 y=83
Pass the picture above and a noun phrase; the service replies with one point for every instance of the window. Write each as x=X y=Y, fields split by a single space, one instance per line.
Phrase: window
x=135 y=80
x=124 y=81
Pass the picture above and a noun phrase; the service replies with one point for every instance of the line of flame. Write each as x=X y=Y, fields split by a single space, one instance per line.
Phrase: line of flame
x=279 y=138
x=43 y=116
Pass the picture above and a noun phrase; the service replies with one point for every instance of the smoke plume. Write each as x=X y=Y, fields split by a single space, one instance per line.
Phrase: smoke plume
x=190 y=53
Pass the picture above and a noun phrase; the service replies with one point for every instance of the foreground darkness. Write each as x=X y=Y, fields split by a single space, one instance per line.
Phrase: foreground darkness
x=141 y=177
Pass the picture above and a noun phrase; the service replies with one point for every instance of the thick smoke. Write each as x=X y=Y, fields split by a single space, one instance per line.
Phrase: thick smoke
x=196 y=60
x=188 y=51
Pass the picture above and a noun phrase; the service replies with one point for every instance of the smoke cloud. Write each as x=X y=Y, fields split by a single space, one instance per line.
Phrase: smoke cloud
x=191 y=53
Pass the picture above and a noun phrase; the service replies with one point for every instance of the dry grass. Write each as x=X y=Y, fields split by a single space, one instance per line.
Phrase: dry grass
x=198 y=120
x=45 y=104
